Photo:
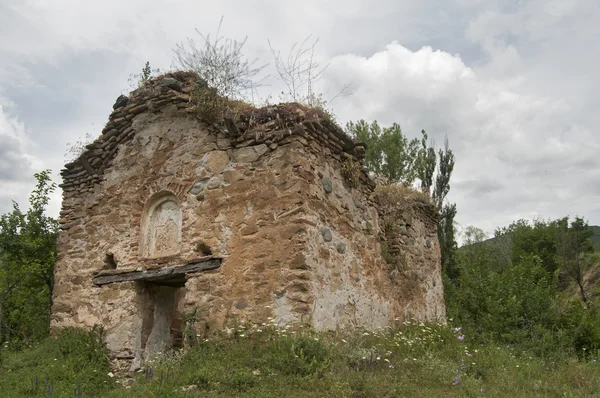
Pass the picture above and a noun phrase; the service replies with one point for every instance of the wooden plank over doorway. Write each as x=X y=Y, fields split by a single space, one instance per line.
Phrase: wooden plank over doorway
x=169 y=274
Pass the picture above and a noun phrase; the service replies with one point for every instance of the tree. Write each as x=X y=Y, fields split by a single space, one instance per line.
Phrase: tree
x=446 y=211
x=368 y=134
x=573 y=248
x=389 y=152
x=220 y=62
x=27 y=257
x=426 y=162
x=442 y=180
x=447 y=240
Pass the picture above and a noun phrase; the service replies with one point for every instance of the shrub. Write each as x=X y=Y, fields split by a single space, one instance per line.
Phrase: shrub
x=298 y=355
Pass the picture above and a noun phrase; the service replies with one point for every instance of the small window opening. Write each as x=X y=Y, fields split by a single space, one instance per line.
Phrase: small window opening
x=109 y=261
x=203 y=248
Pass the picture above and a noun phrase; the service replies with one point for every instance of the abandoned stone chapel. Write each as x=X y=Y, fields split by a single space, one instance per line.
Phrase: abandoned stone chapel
x=169 y=222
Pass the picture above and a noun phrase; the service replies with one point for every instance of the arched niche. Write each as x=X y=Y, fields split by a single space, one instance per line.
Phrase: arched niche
x=161 y=226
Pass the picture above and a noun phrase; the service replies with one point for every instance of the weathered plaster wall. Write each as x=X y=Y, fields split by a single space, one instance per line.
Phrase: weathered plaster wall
x=161 y=188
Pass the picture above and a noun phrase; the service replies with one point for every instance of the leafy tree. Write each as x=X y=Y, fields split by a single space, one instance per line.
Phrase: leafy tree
x=27 y=257
x=426 y=162
x=392 y=155
x=442 y=180
x=573 y=248
x=389 y=152
x=369 y=134
x=447 y=240
x=447 y=212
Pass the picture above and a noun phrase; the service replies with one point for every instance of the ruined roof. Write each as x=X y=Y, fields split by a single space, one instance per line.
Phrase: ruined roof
x=252 y=126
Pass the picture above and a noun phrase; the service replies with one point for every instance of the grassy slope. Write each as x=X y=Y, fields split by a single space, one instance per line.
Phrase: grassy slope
x=418 y=361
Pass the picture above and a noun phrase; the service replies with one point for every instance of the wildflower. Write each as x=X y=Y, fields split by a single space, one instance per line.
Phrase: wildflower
x=457 y=329
x=391 y=366
x=110 y=374
x=461 y=337
x=468 y=354
x=456 y=380
x=344 y=341
x=387 y=360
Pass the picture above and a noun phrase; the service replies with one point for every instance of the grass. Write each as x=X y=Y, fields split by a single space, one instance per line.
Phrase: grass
x=416 y=360
x=71 y=364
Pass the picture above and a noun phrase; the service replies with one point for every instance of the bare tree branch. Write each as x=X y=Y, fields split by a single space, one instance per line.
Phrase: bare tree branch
x=220 y=63
x=300 y=71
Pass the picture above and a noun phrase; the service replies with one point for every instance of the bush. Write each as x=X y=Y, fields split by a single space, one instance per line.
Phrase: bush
x=298 y=355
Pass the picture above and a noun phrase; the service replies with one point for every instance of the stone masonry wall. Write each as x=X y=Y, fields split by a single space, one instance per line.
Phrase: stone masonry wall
x=269 y=195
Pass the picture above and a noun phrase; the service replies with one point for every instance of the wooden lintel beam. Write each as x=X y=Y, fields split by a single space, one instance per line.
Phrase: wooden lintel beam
x=157 y=275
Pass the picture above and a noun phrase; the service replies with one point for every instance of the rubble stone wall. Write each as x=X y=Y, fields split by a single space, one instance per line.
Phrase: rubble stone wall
x=299 y=236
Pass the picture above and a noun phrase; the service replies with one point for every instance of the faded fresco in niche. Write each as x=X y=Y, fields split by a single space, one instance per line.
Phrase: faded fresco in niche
x=161 y=226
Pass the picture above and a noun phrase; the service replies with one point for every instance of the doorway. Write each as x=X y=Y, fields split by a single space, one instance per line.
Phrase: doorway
x=161 y=305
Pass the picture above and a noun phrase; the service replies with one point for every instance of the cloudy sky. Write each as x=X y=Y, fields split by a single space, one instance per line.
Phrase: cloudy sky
x=513 y=83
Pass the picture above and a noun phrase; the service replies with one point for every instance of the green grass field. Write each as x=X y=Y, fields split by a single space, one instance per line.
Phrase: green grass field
x=415 y=360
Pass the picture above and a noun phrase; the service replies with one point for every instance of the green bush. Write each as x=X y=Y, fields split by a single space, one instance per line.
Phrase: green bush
x=298 y=355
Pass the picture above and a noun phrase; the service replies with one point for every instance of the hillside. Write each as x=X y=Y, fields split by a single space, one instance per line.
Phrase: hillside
x=596 y=237
x=499 y=251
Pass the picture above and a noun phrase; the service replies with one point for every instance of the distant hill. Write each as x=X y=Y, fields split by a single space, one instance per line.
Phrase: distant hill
x=595 y=238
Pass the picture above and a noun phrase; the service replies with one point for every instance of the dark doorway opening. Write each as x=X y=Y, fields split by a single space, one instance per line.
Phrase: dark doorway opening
x=162 y=316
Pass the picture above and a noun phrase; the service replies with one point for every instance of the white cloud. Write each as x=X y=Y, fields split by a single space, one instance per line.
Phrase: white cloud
x=518 y=153
x=17 y=165
x=514 y=85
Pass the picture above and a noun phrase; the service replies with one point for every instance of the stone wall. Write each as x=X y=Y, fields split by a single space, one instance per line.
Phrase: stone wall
x=278 y=197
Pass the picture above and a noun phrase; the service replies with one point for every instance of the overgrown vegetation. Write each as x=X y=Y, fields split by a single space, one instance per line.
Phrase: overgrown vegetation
x=401 y=162
x=72 y=364
x=27 y=257
x=220 y=62
x=409 y=360
x=513 y=289
x=139 y=80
